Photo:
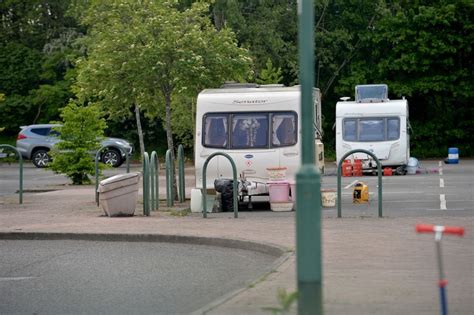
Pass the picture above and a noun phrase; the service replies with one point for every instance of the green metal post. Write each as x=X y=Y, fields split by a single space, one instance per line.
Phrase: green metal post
x=20 y=161
x=234 y=184
x=182 y=183
x=339 y=184
x=308 y=178
x=155 y=167
x=153 y=180
x=169 y=164
x=21 y=177
x=146 y=183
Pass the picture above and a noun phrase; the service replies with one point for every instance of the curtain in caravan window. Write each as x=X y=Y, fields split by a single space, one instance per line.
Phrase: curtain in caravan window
x=215 y=131
x=249 y=131
x=393 y=128
x=283 y=129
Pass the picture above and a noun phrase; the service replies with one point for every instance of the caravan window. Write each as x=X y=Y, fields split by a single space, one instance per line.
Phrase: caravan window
x=249 y=130
x=393 y=128
x=350 y=130
x=215 y=131
x=370 y=129
x=283 y=129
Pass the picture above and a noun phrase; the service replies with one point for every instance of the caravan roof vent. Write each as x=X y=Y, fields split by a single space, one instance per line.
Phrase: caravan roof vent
x=232 y=84
x=371 y=93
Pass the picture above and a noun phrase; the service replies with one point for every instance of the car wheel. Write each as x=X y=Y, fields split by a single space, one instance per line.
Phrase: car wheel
x=112 y=157
x=41 y=158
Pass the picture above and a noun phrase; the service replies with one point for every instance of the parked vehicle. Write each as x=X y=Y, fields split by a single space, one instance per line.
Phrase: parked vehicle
x=259 y=126
x=374 y=123
x=35 y=141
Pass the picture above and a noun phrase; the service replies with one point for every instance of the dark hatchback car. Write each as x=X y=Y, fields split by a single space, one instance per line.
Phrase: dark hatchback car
x=35 y=141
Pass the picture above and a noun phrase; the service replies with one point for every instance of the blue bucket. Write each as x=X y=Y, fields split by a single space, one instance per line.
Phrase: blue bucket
x=453 y=156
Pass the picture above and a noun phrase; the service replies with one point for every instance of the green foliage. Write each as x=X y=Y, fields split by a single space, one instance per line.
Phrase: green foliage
x=16 y=111
x=81 y=132
x=20 y=68
x=145 y=53
x=285 y=302
x=268 y=28
x=160 y=54
x=270 y=75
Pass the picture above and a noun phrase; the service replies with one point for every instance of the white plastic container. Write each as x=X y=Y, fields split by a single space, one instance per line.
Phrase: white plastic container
x=276 y=173
x=328 y=197
x=118 y=194
x=196 y=201
x=412 y=166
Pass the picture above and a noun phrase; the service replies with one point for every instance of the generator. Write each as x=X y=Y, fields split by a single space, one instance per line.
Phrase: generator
x=360 y=193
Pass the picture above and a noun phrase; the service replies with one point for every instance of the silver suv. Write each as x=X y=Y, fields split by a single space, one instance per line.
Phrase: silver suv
x=35 y=141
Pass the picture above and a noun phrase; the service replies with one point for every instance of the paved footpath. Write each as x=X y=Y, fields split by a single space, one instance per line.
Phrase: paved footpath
x=370 y=265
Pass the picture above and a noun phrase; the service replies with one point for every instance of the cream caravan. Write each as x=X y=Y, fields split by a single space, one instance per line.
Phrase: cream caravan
x=259 y=126
x=374 y=123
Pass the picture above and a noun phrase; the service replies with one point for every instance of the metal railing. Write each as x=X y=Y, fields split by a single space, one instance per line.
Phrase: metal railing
x=234 y=184
x=169 y=165
x=154 y=181
x=181 y=177
x=20 y=159
x=379 y=171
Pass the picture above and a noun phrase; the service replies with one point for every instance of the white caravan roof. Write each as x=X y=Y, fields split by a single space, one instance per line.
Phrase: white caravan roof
x=246 y=99
x=381 y=109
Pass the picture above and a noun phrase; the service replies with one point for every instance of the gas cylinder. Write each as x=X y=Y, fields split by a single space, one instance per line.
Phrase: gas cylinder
x=346 y=168
x=387 y=171
x=357 y=171
x=360 y=193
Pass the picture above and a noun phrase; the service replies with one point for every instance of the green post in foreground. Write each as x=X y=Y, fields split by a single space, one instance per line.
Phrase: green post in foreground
x=308 y=179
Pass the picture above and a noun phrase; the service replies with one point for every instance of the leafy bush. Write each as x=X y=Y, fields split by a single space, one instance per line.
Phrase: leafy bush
x=81 y=132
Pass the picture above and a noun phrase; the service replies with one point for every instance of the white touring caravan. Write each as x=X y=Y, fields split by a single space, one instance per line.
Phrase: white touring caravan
x=259 y=126
x=374 y=123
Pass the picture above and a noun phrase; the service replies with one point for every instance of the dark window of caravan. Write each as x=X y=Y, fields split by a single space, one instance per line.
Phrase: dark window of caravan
x=249 y=130
x=215 y=131
x=371 y=129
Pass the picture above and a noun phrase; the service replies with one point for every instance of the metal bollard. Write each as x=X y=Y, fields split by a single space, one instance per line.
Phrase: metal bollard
x=182 y=184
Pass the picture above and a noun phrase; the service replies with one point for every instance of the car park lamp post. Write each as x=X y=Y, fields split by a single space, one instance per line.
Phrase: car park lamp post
x=308 y=178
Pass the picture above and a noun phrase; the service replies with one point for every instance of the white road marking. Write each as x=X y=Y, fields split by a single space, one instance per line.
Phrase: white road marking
x=458 y=209
x=15 y=278
x=440 y=164
x=440 y=171
x=351 y=184
x=441 y=183
x=442 y=202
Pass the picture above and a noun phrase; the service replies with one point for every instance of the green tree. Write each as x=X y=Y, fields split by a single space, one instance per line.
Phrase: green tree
x=36 y=39
x=423 y=50
x=268 y=28
x=270 y=75
x=81 y=132
x=143 y=54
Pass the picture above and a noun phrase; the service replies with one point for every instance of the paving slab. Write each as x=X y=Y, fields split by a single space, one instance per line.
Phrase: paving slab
x=370 y=265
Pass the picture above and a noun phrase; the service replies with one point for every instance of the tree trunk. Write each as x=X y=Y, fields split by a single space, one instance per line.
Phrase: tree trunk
x=169 y=138
x=38 y=112
x=140 y=131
